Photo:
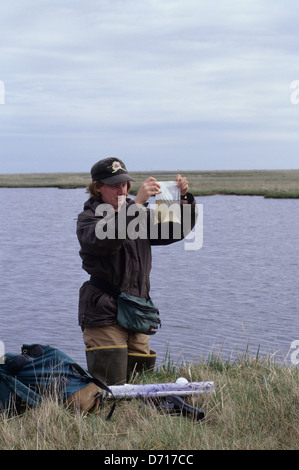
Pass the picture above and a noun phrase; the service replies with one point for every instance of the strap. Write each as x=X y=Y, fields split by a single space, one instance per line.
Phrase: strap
x=85 y=376
x=99 y=384
x=104 y=286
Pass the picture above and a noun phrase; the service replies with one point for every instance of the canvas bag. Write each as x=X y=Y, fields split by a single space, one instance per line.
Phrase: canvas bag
x=26 y=379
x=137 y=315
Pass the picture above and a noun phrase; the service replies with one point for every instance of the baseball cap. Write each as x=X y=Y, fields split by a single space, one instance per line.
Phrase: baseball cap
x=110 y=171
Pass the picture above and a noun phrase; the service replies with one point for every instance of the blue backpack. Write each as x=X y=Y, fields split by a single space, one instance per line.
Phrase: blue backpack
x=26 y=379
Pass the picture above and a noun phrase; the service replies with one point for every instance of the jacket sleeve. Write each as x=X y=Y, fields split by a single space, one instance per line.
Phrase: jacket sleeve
x=102 y=233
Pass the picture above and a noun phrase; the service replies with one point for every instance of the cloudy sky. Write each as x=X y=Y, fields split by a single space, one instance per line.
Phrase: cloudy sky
x=163 y=84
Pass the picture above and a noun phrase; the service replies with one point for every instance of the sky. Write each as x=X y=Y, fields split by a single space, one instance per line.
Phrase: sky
x=161 y=84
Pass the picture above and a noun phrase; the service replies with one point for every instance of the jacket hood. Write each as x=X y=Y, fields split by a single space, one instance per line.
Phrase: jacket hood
x=91 y=203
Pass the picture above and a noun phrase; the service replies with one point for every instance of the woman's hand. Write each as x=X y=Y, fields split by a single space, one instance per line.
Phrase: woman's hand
x=149 y=187
x=183 y=184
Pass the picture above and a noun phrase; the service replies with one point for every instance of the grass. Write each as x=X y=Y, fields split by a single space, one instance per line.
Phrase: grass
x=255 y=406
x=267 y=183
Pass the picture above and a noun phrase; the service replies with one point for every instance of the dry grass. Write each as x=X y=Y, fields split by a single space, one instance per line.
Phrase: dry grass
x=255 y=406
x=268 y=183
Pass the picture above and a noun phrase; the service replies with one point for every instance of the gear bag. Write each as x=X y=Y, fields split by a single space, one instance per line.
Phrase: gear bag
x=39 y=371
x=133 y=313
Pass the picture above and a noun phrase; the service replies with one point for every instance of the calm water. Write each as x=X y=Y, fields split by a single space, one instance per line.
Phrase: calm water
x=239 y=290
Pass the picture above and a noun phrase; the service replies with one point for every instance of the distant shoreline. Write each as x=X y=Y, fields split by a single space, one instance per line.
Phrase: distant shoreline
x=267 y=183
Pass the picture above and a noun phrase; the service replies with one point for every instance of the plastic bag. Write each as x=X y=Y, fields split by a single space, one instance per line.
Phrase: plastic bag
x=168 y=203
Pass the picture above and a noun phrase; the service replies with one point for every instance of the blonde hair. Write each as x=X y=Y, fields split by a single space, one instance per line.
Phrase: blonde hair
x=95 y=186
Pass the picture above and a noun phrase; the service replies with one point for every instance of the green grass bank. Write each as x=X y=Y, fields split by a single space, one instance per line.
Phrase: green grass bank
x=267 y=183
x=254 y=407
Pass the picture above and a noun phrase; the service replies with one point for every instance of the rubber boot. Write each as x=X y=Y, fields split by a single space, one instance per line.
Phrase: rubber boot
x=109 y=365
x=140 y=362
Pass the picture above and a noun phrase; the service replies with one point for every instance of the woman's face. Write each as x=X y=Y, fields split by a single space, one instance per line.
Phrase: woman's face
x=114 y=194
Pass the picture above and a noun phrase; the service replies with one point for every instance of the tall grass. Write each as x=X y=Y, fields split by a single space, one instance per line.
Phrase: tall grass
x=254 y=406
x=268 y=183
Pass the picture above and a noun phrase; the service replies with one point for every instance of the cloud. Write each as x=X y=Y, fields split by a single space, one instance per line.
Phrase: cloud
x=148 y=77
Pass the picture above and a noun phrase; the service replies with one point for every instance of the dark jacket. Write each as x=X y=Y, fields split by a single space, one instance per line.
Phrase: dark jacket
x=122 y=262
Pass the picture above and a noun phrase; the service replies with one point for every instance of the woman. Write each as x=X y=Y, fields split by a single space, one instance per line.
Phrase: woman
x=121 y=261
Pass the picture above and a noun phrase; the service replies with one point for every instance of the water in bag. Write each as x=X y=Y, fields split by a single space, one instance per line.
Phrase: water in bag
x=168 y=203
